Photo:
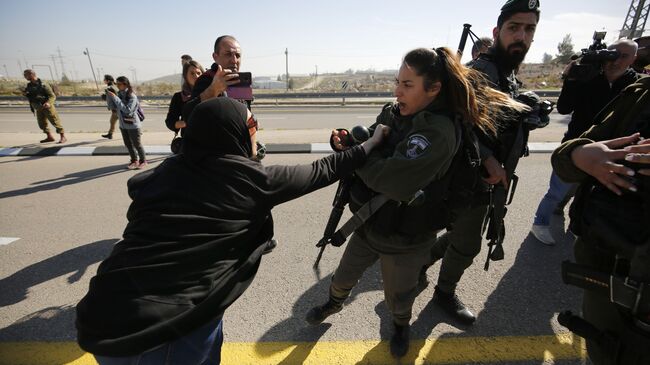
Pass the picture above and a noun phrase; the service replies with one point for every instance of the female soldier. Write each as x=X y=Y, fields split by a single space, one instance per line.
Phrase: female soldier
x=432 y=89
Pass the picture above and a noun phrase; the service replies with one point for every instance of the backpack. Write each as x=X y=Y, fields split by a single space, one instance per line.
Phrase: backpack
x=449 y=195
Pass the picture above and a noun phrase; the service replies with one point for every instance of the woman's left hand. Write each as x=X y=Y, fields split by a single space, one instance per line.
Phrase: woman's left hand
x=110 y=93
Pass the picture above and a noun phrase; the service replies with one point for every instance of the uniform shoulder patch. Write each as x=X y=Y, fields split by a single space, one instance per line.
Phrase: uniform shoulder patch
x=416 y=146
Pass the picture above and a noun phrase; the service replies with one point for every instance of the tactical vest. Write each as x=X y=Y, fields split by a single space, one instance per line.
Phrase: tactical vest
x=433 y=207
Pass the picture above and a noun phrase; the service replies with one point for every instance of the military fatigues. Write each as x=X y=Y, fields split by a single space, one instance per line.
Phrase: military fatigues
x=622 y=227
x=111 y=106
x=459 y=246
x=423 y=150
x=38 y=94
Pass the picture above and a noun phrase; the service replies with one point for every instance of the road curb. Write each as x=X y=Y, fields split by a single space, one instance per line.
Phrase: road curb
x=158 y=150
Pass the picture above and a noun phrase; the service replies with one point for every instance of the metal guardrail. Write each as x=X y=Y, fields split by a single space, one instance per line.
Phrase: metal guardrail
x=305 y=95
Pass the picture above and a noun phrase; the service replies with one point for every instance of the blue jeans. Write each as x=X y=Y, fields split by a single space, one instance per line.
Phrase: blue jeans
x=556 y=191
x=201 y=347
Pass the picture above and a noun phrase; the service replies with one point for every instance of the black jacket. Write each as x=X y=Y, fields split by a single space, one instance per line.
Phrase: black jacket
x=188 y=254
x=586 y=98
x=175 y=111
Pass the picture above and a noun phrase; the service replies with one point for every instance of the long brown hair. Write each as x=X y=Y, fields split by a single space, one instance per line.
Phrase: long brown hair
x=186 y=68
x=124 y=80
x=468 y=92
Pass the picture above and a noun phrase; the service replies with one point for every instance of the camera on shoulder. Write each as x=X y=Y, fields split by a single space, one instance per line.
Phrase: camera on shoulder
x=591 y=59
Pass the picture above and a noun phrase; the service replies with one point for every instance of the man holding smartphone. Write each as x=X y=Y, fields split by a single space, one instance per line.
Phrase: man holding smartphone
x=215 y=82
x=222 y=73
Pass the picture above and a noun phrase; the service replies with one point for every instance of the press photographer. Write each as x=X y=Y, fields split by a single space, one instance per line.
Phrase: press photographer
x=585 y=96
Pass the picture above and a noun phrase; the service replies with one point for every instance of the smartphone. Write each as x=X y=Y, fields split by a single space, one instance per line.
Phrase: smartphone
x=243 y=90
x=245 y=79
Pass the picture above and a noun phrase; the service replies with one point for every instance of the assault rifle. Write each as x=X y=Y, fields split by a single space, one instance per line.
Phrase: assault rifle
x=499 y=199
x=341 y=199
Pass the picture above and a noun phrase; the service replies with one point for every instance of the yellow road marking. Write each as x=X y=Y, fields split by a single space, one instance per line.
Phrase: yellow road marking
x=457 y=350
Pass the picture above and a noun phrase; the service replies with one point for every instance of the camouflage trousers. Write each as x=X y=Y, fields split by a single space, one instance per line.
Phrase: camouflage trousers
x=43 y=115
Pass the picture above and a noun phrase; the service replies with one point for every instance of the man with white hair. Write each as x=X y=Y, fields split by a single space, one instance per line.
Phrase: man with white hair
x=584 y=98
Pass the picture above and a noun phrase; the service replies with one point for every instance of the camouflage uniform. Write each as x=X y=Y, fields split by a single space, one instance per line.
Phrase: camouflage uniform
x=38 y=94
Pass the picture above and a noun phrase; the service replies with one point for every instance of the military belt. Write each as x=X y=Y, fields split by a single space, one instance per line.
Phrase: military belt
x=621 y=290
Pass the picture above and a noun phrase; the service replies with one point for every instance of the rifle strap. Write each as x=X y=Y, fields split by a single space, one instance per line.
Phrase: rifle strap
x=359 y=218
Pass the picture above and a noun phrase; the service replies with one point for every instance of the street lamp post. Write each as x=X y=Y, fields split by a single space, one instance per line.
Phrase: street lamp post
x=87 y=53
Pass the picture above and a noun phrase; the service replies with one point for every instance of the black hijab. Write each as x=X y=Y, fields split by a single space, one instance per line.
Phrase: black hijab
x=217 y=127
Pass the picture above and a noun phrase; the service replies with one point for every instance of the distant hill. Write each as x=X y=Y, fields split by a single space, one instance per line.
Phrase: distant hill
x=169 y=79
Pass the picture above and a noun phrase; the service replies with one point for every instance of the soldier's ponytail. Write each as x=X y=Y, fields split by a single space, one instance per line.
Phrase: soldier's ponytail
x=466 y=90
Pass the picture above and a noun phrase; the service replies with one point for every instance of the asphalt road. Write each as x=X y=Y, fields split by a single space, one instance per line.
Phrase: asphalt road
x=68 y=212
x=95 y=119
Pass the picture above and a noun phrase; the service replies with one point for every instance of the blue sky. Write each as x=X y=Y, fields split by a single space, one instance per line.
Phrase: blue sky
x=146 y=38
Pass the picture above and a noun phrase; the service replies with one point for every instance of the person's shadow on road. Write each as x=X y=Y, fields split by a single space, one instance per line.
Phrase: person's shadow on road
x=524 y=303
x=73 y=263
x=73 y=178
x=295 y=329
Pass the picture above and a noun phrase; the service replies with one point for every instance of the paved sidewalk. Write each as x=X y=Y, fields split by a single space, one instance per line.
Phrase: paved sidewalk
x=157 y=143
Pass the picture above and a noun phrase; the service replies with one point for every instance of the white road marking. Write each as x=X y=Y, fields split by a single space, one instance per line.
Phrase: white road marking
x=7 y=240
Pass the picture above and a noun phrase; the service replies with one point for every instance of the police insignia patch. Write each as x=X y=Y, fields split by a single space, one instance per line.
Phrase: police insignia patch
x=416 y=145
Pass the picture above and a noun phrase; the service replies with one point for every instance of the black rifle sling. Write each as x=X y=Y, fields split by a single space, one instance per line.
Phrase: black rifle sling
x=359 y=218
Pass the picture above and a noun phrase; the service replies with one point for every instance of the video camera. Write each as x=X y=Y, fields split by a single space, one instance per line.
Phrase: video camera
x=591 y=59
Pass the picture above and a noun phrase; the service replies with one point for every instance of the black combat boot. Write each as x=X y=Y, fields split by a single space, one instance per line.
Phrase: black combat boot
x=318 y=314
x=453 y=306
x=399 y=343
x=270 y=245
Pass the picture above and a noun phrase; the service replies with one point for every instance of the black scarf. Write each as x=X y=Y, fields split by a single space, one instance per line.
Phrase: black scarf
x=217 y=127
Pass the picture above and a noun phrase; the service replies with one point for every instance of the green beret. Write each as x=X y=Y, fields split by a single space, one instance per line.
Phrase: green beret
x=520 y=6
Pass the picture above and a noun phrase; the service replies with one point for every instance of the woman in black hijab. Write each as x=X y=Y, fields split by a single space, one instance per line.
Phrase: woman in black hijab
x=188 y=254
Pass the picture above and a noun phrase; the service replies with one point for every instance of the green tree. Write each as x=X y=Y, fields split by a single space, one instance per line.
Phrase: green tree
x=565 y=49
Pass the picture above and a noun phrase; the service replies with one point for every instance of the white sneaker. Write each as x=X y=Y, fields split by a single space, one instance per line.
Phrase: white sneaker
x=543 y=234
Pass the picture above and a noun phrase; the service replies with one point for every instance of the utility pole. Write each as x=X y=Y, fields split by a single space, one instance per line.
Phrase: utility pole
x=636 y=18
x=286 y=53
x=87 y=53
x=6 y=72
x=20 y=66
x=61 y=60
x=135 y=75
x=55 y=70
x=316 y=77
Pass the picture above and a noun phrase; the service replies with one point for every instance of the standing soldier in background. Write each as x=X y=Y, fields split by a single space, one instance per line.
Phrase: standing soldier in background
x=481 y=46
x=110 y=86
x=41 y=101
x=459 y=246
